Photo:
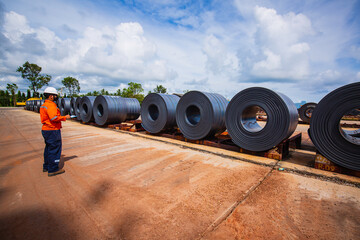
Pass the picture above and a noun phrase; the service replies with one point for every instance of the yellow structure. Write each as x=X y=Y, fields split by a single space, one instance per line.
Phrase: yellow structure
x=24 y=103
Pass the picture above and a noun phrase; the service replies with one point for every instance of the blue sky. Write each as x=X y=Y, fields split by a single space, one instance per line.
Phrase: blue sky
x=301 y=48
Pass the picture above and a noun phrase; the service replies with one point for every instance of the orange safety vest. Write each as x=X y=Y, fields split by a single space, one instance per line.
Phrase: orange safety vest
x=50 y=116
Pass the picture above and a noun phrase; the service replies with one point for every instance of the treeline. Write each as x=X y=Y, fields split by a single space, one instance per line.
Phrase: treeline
x=134 y=90
x=7 y=98
x=31 y=72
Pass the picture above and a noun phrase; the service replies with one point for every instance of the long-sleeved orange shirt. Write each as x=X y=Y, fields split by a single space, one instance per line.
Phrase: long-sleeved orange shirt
x=50 y=116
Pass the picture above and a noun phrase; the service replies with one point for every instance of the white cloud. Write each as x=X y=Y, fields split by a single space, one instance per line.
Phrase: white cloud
x=272 y=62
x=282 y=38
x=120 y=52
x=219 y=59
x=15 y=26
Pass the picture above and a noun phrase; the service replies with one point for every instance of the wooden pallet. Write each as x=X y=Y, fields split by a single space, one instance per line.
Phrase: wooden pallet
x=224 y=141
x=131 y=126
x=323 y=163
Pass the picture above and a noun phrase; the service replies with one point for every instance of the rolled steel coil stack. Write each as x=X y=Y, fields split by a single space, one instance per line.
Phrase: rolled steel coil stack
x=65 y=106
x=31 y=105
x=115 y=109
x=72 y=106
x=158 y=112
x=201 y=114
x=306 y=110
x=58 y=103
x=77 y=108
x=336 y=144
x=37 y=105
x=86 y=108
x=241 y=123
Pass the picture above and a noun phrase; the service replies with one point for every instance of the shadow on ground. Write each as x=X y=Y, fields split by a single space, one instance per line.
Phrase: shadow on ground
x=64 y=159
x=37 y=224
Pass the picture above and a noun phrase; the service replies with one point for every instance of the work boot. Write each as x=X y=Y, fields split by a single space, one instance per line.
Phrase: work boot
x=56 y=173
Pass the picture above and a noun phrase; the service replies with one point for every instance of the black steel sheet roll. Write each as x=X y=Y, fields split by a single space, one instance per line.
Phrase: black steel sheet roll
x=201 y=114
x=58 y=103
x=306 y=110
x=339 y=146
x=86 y=108
x=133 y=108
x=282 y=118
x=35 y=106
x=115 y=109
x=77 y=108
x=158 y=112
x=31 y=105
x=65 y=106
x=72 y=106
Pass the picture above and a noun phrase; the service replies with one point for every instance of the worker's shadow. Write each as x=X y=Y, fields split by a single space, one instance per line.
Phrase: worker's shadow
x=64 y=159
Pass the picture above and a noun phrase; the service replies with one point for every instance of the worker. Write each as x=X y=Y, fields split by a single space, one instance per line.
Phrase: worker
x=51 y=120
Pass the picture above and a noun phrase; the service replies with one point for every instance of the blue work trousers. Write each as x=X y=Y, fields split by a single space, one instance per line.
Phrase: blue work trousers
x=52 y=151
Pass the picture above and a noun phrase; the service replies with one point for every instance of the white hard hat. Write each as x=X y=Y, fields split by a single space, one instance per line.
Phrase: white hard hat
x=51 y=90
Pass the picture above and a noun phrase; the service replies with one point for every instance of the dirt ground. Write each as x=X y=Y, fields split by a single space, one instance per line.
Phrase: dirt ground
x=119 y=186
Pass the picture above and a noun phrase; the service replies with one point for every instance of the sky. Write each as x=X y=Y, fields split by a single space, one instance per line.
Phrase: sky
x=301 y=48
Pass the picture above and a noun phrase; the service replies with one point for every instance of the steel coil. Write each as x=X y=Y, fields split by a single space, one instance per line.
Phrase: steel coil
x=201 y=114
x=27 y=105
x=337 y=145
x=133 y=108
x=77 y=108
x=72 y=106
x=306 y=110
x=31 y=105
x=282 y=118
x=86 y=108
x=58 y=103
x=65 y=106
x=158 y=112
x=37 y=105
x=115 y=109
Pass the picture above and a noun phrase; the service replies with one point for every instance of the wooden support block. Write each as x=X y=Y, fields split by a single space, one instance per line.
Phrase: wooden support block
x=324 y=164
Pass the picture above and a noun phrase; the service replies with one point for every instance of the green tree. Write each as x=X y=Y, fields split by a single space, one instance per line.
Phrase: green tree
x=23 y=97
x=134 y=90
x=12 y=87
x=7 y=98
x=18 y=97
x=104 y=92
x=94 y=93
x=72 y=85
x=3 y=98
x=160 y=89
x=28 y=94
x=31 y=72
x=118 y=92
